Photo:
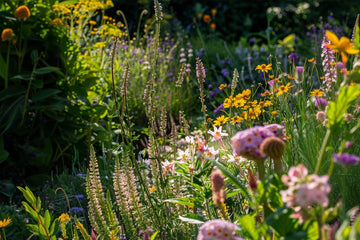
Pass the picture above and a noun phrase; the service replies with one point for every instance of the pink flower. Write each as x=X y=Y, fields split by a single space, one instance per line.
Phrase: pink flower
x=218 y=229
x=247 y=143
x=168 y=167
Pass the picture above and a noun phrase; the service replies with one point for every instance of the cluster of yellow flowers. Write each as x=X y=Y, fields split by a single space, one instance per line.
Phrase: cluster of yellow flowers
x=82 y=7
x=247 y=109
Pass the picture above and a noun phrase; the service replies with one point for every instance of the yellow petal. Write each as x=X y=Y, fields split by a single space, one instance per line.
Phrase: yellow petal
x=344 y=58
x=332 y=37
x=352 y=51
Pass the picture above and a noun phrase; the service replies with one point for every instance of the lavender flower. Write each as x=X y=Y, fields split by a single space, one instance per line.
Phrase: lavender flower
x=328 y=60
x=320 y=102
x=346 y=159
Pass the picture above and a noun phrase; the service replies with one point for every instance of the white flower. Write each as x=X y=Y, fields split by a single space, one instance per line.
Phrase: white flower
x=217 y=133
x=210 y=152
x=183 y=155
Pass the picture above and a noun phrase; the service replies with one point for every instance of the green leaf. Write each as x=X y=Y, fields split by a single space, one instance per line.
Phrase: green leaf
x=46 y=70
x=47 y=219
x=192 y=219
x=336 y=110
x=44 y=93
x=248 y=227
x=11 y=92
x=33 y=228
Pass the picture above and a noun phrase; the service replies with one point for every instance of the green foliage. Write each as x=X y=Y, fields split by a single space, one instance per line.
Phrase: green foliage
x=46 y=227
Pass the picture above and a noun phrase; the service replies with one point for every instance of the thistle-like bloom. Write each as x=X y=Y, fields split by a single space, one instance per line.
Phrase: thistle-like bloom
x=6 y=34
x=263 y=67
x=346 y=159
x=344 y=46
x=22 y=12
x=64 y=218
x=5 y=222
x=218 y=229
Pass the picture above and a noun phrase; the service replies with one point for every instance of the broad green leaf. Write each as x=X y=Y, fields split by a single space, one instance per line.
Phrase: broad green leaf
x=11 y=91
x=336 y=110
x=248 y=227
x=46 y=70
x=44 y=93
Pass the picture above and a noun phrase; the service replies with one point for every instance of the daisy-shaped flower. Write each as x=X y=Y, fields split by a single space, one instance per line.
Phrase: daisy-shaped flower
x=263 y=67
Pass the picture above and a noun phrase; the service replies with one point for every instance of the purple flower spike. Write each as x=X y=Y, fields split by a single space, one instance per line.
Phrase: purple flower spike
x=320 y=102
x=346 y=159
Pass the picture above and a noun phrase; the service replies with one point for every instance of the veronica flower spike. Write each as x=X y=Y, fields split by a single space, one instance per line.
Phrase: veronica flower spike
x=217 y=134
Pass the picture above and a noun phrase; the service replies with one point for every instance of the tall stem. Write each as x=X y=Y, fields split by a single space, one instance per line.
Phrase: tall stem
x=261 y=169
x=322 y=151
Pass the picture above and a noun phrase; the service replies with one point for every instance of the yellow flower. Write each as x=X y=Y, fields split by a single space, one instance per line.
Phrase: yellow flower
x=236 y=119
x=152 y=189
x=64 y=218
x=263 y=67
x=222 y=86
x=5 y=222
x=228 y=102
x=92 y=22
x=6 y=34
x=22 y=12
x=344 y=46
x=283 y=89
x=322 y=77
x=221 y=120
x=311 y=60
x=57 y=22
x=316 y=93
x=267 y=93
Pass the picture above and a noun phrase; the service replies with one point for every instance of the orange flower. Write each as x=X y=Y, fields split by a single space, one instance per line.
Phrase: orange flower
x=311 y=60
x=344 y=46
x=6 y=34
x=22 y=12
x=57 y=22
x=199 y=15
x=207 y=18
x=316 y=93
x=213 y=26
x=213 y=11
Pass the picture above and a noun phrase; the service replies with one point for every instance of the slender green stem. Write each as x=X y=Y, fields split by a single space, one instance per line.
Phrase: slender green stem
x=261 y=169
x=322 y=151
x=4 y=233
x=7 y=66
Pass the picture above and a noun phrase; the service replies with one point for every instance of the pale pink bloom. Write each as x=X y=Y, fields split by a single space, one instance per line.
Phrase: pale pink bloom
x=168 y=167
x=183 y=155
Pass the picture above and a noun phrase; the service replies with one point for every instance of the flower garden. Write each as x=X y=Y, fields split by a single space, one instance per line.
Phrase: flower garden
x=163 y=126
